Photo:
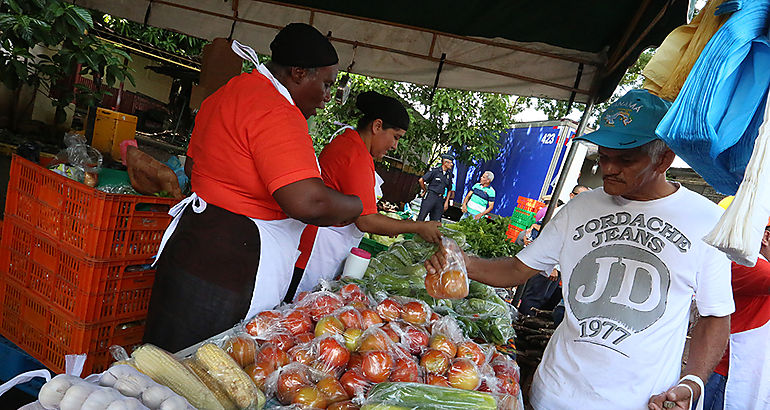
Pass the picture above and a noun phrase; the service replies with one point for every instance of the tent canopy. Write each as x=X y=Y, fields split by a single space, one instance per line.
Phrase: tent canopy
x=520 y=47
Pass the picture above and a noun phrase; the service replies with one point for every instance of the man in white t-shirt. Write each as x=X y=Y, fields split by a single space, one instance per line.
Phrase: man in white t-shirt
x=631 y=259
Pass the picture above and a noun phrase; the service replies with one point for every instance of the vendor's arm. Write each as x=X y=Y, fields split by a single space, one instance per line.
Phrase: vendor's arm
x=446 y=201
x=188 y=166
x=312 y=202
x=383 y=225
x=707 y=345
x=467 y=198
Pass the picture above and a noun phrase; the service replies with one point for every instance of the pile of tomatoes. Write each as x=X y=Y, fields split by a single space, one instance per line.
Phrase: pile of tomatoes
x=328 y=349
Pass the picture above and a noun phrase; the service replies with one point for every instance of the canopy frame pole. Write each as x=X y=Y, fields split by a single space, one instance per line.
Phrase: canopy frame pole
x=438 y=75
x=568 y=162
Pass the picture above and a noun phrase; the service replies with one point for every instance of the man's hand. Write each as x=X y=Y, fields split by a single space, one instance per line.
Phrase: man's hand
x=477 y=216
x=679 y=395
x=446 y=206
x=554 y=276
x=464 y=208
x=428 y=230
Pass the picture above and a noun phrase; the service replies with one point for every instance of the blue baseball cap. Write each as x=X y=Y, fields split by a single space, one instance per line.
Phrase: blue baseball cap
x=630 y=121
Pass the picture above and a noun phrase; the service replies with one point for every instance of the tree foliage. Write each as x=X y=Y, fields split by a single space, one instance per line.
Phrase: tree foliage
x=166 y=40
x=633 y=78
x=466 y=122
x=62 y=29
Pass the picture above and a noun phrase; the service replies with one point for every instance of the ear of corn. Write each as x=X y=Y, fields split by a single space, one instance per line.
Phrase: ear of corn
x=230 y=376
x=166 y=370
x=210 y=382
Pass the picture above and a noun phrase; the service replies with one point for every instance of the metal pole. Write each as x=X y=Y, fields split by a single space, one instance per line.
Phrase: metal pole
x=567 y=163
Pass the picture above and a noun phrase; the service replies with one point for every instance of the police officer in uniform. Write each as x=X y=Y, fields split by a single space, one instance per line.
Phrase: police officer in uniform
x=439 y=181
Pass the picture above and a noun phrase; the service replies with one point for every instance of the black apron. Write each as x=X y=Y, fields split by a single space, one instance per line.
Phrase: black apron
x=205 y=278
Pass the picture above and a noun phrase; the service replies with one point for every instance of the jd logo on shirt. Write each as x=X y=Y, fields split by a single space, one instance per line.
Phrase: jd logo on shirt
x=622 y=283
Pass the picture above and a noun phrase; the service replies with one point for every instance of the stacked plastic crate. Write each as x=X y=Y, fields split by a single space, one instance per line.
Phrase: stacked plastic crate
x=75 y=273
x=523 y=216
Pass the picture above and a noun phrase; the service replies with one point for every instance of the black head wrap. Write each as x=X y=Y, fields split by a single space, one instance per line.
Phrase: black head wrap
x=389 y=109
x=301 y=45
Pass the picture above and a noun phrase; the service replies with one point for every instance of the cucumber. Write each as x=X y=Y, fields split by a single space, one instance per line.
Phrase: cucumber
x=425 y=397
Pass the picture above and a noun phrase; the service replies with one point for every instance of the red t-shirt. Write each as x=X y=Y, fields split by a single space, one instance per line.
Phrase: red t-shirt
x=347 y=167
x=751 y=292
x=248 y=142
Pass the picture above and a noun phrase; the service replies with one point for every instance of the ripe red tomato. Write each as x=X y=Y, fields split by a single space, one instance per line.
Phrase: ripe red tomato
x=270 y=353
x=302 y=354
x=414 y=339
x=454 y=284
x=350 y=318
x=405 y=370
x=389 y=310
x=259 y=372
x=264 y=322
x=304 y=338
x=242 y=348
x=332 y=390
x=332 y=354
x=352 y=292
x=470 y=350
x=377 y=339
x=463 y=374
x=415 y=313
x=436 y=380
x=391 y=333
x=369 y=318
x=289 y=382
x=356 y=362
x=283 y=341
x=297 y=322
x=343 y=405
x=323 y=305
x=442 y=343
x=377 y=366
x=435 y=361
x=354 y=382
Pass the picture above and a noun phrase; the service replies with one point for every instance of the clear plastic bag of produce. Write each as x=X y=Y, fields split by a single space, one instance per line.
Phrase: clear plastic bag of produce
x=85 y=160
x=452 y=281
x=305 y=386
x=68 y=392
x=417 y=396
x=227 y=378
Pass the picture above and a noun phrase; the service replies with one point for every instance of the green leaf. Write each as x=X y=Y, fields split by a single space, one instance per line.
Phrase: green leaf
x=85 y=16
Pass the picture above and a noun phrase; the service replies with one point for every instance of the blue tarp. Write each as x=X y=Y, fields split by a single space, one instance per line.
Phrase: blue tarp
x=520 y=169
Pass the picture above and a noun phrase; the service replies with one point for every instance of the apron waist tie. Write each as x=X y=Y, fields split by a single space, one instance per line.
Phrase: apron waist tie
x=198 y=205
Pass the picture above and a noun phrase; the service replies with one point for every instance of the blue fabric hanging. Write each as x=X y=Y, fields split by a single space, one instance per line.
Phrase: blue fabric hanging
x=715 y=119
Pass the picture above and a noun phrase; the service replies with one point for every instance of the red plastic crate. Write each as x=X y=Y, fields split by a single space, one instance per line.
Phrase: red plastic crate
x=87 y=289
x=48 y=334
x=103 y=226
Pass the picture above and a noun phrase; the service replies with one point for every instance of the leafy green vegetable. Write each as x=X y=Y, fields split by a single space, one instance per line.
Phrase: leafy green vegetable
x=487 y=238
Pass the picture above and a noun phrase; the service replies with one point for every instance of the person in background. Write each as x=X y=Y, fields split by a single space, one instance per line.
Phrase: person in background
x=347 y=165
x=438 y=190
x=632 y=260
x=229 y=252
x=481 y=198
x=741 y=380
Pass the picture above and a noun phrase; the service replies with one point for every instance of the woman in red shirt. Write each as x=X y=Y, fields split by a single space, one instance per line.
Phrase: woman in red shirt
x=347 y=166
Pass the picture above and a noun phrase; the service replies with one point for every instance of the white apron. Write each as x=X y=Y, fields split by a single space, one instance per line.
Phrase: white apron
x=748 y=377
x=332 y=245
x=279 y=239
